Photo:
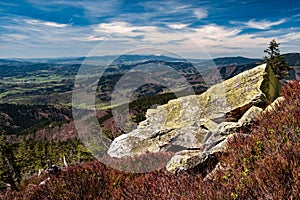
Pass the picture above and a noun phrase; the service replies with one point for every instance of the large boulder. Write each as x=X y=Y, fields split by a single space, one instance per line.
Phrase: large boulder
x=197 y=126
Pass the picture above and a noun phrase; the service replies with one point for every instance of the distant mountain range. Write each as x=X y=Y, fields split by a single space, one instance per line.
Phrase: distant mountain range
x=292 y=58
x=225 y=61
x=111 y=59
x=13 y=62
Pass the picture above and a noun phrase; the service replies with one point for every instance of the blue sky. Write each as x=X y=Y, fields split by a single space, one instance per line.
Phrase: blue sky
x=63 y=28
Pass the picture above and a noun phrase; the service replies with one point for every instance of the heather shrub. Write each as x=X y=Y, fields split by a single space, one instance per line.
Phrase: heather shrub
x=264 y=164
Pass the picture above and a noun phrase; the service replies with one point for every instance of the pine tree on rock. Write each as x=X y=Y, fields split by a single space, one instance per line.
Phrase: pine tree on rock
x=276 y=61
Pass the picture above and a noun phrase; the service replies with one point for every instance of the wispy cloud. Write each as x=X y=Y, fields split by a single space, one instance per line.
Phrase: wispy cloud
x=51 y=24
x=173 y=11
x=293 y=36
x=32 y=31
x=13 y=38
x=168 y=6
x=213 y=38
x=119 y=35
x=177 y=26
x=261 y=25
x=264 y=24
x=91 y=8
x=298 y=15
x=200 y=13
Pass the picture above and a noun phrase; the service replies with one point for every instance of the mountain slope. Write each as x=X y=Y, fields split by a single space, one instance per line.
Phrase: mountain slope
x=20 y=119
x=239 y=60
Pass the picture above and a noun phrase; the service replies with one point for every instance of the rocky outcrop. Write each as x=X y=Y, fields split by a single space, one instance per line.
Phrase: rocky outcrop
x=198 y=126
x=215 y=143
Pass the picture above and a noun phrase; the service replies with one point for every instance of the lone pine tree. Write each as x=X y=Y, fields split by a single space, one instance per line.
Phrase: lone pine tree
x=276 y=61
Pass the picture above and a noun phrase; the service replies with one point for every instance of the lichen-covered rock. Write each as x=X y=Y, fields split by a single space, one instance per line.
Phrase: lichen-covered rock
x=198 y=125
x=273 y=105
x=216 y=142
x=184 y=160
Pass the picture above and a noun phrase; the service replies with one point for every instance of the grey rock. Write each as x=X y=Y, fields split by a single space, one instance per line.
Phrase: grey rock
x=197 y=126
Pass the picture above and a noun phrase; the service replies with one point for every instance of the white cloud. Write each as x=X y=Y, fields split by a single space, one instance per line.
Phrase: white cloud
x=292 y=36
x=298 y=15
x=42 y=34
x=91 y=38
x=13 y=38
x=114 y=27
x=119 y=35
x=212 y=38
x=200 y=13
x=263 y=24
x=91 y=8
x=215 y=32
x=53 y=24
x=17 y=36
x=166 y=9
x=177 y=26
x=45 y=23
x=122 y=30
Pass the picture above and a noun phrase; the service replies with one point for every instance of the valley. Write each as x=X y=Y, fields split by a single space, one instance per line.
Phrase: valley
x=41 y=87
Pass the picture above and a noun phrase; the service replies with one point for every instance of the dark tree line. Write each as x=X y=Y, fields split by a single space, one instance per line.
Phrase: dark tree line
x=9 y=171
x=22 y=160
